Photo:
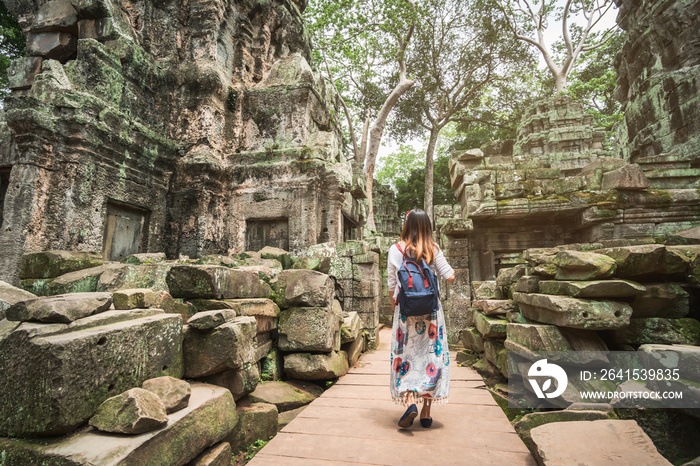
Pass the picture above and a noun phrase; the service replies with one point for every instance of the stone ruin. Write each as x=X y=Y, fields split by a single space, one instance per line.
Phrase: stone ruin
x=561 y=244
x=185 y=128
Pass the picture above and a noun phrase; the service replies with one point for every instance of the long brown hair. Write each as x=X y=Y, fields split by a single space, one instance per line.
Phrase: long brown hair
x=418 y=235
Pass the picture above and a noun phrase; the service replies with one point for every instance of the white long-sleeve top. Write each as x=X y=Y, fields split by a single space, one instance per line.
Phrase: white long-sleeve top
x=395 y=259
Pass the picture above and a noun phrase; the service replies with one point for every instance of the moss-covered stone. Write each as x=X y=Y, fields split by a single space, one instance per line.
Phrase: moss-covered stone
x=659 y=330
x=135 y=411
x=256 y=421
x=50 y=264
x=286 y=395
x=308 y=366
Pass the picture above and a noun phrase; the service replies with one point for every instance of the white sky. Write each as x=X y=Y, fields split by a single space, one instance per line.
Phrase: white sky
x=552 y=34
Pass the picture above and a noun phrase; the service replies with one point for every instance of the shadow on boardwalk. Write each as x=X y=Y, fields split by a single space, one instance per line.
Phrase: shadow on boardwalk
x=354 y=422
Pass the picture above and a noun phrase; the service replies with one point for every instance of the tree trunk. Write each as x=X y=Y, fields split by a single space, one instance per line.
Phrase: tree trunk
x=561 y=80
x=429 y=164
x=363 y=142
x=375 y=137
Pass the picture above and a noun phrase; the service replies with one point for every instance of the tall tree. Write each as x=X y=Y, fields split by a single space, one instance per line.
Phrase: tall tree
x=363 y=45
x=529 y=19
x=462 y=51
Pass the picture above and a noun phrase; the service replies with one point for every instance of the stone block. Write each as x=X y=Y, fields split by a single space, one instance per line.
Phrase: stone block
x=218 y=455
x=55 y=15
x=573 y=312
x=49 y=368
x=535 y=337
x=645 y=260
x=350 y=328
x=341 y=268
x=494 y=306
x=536 y=419
x=667 y=300
x=170 y=305
x=240 y=382
x=510 y=275
x=527 y=284
x=284 y=258
x=307 y=366
x=288 y=416
x=54 y=45
x=138 y=298
x=658 y=330
x=591 y=289
x=288 y=395
x=578 y=265
x=557 y=442
x=22 y=71
x=215 y=282
x=10 y=295
x=354 y=349
x=50 y=264
x=684 y=357
x=496 y=353
x=174 y=393
x=352 y=248
x=304 y=288
x=61 y=308
x=210 y=416
x=208 y=320
x=257 y=421
x=228 y=346
x=307 y=329
x=472 y=339
x=490 y=327
x=146 y=258
x=243 y=307
x=124 y=276
x=135 y=411
x=627 y=178
x=368 y=258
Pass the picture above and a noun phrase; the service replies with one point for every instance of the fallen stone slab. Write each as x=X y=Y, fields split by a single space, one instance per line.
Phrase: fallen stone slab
x=124 y=276
x=308 y=366
x=243 y=307
x=497 y=354
x=287 y=395
x=50 y=264
x=627 y=178
x=49 y=368
x=135 y=298
x=240 y=382
x=218 y=455
x=528 y=422
x=354 y=349
x=490 y=327
x=684 y=357
x=492 y=307
x=304 y=288
x=171 y=305
x=209 y=418
x=472 y=339
x=578 y=265
x=645 y=260
x=174 y=393
x=284 y=257
x=486 y=290
x=215 y=282
x=574 y=312
x=591 y=289
x=208 y=320
x=256 y=421
x=667 y=300
x=527 y=284
x=61 y=308
x=307 y=329
x=79 y=281
x=659 y=330
x=350 y=328
x=535 y=337
x=10 y=295
x=228 y=346
x=135 y=411
x=510 y=275
x=288 y=416
x=601 y=442
x=146 y=258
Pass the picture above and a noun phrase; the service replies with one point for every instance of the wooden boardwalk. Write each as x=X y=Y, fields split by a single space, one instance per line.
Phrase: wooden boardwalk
x=355 y=422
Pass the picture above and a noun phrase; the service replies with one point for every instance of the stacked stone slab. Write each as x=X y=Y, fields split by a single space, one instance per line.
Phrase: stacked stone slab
x=456 y=297
x=356 y=268
x=309 y=326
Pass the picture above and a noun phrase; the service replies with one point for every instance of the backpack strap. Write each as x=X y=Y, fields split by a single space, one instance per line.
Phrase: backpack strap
x=401 y=249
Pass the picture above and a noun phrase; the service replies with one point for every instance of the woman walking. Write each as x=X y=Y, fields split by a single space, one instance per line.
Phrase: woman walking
x=419 y=354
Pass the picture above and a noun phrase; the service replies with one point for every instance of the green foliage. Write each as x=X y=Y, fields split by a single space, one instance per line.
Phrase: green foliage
x=400 y=164
x=411 y=190
x=12 y=45
x=254 y=448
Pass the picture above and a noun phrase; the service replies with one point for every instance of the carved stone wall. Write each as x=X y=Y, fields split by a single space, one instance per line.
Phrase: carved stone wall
x=203 y=117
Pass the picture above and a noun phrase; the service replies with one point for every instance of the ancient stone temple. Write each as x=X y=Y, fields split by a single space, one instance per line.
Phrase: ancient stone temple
x=185 y=127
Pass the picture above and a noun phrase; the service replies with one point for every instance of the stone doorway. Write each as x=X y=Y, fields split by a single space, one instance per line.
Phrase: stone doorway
x=4 y=182
x=349 y=229
x=261 y=233
x=124 y=231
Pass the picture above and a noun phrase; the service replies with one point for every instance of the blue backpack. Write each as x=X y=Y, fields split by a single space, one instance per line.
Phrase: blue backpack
x=418 y=293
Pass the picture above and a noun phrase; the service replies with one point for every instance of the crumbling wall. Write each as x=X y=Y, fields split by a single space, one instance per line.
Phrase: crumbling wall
x=197 y=119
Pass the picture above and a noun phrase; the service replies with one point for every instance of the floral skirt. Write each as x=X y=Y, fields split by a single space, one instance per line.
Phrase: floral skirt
x=420 y=360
